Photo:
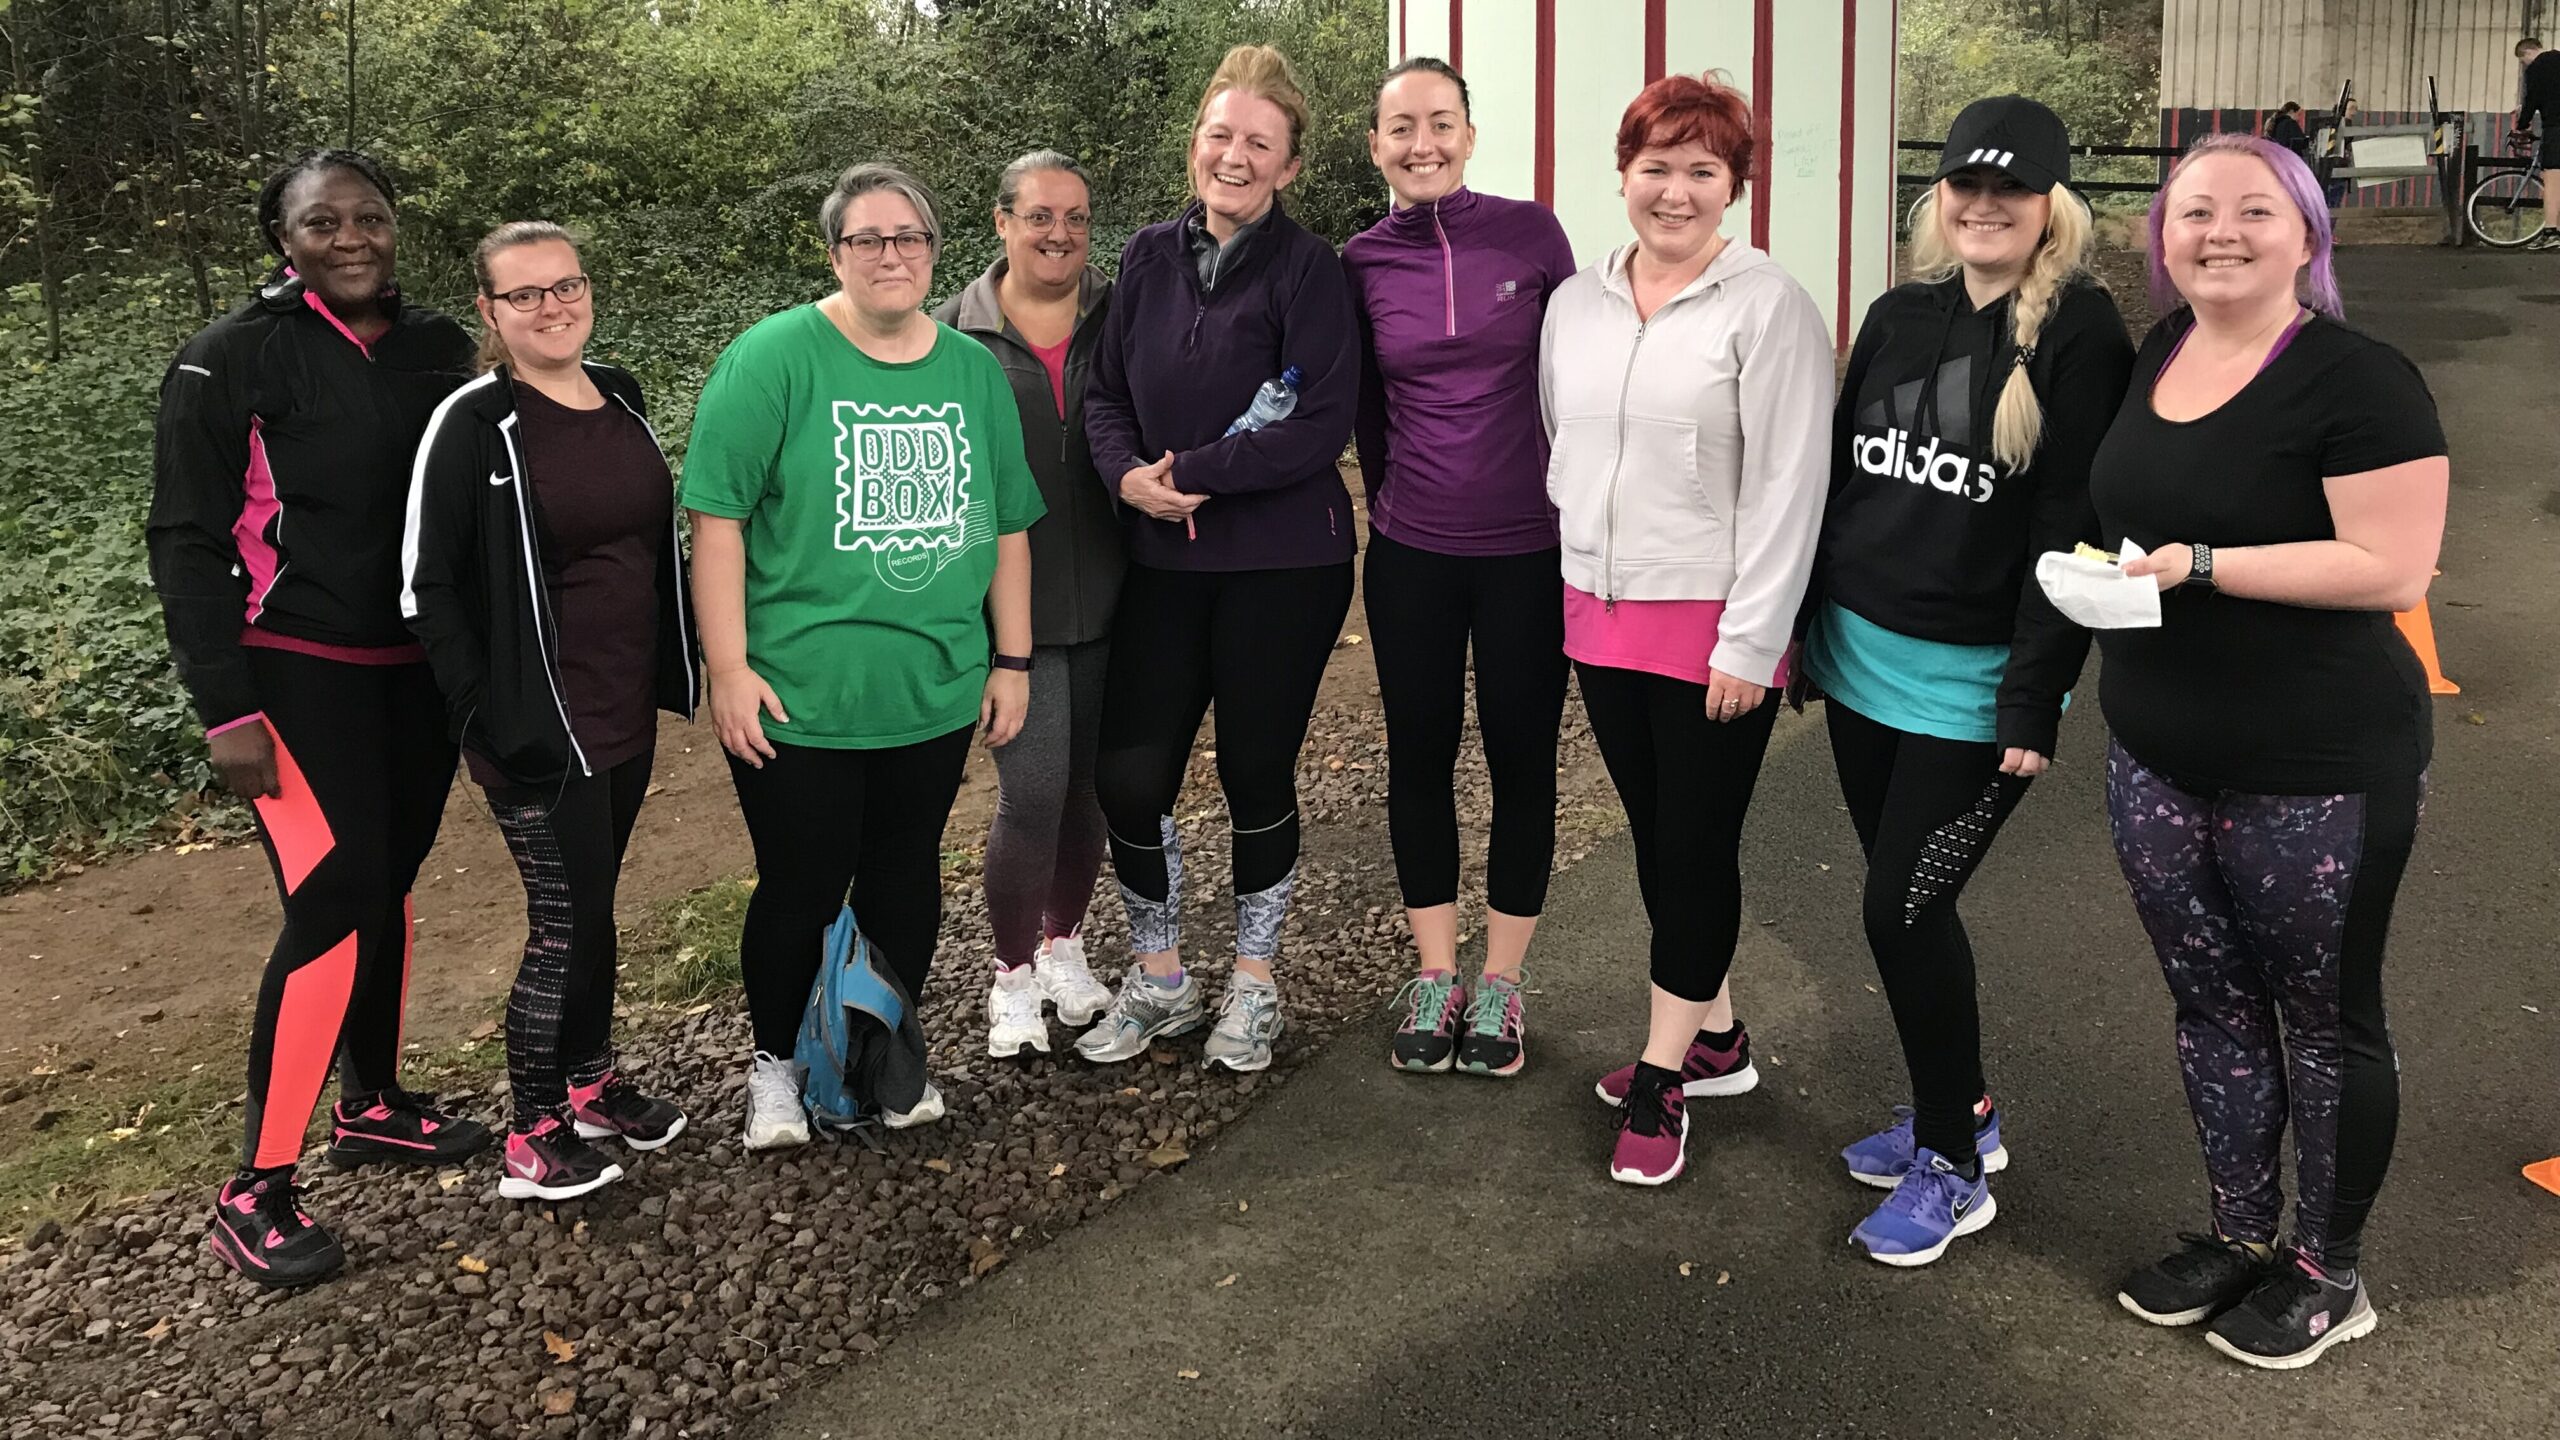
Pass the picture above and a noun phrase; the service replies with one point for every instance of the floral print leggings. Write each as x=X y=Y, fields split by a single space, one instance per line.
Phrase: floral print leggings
x=2269 y=913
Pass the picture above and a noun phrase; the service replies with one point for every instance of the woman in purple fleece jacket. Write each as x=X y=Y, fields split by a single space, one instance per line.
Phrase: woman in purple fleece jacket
x=1239 y=546
x=1451 y=288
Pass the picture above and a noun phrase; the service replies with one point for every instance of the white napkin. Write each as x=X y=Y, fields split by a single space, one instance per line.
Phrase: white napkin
x=2099 y=595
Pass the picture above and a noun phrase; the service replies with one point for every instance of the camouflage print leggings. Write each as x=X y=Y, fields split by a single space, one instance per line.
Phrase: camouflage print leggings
x=2269 y=914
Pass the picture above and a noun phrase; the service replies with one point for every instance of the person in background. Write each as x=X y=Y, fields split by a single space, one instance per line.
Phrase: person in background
x=1240 y=543
x=2285 y=128
x=1039 y=309
x=1686 y=382
x=1452 y=287
x=2286 y=477
x=2541 y=98
x=280 y=462
x=543 y=572
x=1960 y=452
x=863 y=585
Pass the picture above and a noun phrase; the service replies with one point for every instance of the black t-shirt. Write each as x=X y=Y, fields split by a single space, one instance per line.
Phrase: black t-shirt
x=602 y=500
x=2542 y=89
x=2250 y=695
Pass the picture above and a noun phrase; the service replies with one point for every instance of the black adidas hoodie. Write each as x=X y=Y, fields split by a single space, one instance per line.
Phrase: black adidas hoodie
x=1925 y=534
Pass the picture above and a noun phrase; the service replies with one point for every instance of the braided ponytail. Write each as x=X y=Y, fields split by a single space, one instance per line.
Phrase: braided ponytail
x=2017 y=426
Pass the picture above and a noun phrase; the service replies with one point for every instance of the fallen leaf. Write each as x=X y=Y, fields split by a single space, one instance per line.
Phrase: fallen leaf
x=1131 y=1091
x=450 y=1181
x=155 y=1332
x=1167 y=1155
x=1058 y=1169
x=1685 y=1268
x=1350 y=639
x=2474 y=718
x=1724 y=1277
x=485 y=1030
x=984 y=1255
x=560 y=1401
x=1243 y=1205
x=563 y=1350
x=1186 y=1374
x=702 y=1009
x=652 y=791
x=938 y=1163
x=1230 y=1280
x=472 y=1265
x=1162 y=1057
x=578 y=1232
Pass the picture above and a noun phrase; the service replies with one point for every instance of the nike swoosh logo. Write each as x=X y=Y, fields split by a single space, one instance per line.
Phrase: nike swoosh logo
x=497 y=479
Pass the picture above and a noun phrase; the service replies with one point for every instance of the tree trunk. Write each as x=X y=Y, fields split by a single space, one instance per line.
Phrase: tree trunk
x=351 y=74
x=181 y=176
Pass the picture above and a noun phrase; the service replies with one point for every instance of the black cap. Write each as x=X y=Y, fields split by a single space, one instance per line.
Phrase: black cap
x=2011 y=134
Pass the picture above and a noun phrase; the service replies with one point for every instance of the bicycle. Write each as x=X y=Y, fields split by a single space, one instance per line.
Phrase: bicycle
x=2505 y=207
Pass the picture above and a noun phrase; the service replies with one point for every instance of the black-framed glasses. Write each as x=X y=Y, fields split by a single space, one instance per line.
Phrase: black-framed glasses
x=867 y=245
x=568 y=291
x=1077 y=221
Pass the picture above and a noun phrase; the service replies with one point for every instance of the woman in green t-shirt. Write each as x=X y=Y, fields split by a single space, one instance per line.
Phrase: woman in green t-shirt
x=859 y=498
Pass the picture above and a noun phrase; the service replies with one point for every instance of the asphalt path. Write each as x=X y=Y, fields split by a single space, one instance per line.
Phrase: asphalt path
x=1373 y=1254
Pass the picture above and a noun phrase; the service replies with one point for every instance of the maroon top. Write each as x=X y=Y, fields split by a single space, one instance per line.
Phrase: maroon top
x=603 y=501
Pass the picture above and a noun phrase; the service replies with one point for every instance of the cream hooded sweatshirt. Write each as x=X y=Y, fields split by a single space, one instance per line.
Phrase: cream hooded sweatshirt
x=1692 y=451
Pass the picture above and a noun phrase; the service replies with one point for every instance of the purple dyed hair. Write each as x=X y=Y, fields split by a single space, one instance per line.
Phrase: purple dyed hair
x=2319 y=288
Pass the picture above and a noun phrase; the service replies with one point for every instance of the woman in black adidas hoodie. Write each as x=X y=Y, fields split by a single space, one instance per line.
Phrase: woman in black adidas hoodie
x=1974 y=401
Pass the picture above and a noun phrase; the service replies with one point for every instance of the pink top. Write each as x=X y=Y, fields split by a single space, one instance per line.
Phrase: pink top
x=1053 y=358
x=1659 y=637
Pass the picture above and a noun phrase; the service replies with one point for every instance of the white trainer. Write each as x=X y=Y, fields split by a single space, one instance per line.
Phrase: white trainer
x=775 y=1118
x=928 y=1110
x=1013 y=1014
x=1068 y=982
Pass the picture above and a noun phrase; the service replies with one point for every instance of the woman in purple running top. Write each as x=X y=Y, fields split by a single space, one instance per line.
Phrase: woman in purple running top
x=1451 y=288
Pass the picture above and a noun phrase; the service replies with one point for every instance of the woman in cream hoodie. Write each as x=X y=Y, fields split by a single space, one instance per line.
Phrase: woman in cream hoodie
x=1686 y=382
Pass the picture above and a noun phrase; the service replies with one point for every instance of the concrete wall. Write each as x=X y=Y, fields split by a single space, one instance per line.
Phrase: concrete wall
x=1551 y=77
x=2248 y=54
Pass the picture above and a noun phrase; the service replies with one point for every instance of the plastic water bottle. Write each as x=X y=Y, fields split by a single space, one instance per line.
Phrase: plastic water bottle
x=1271 y=403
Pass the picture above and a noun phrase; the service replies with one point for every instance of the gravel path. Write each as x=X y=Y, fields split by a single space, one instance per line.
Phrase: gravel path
x=690 y=1295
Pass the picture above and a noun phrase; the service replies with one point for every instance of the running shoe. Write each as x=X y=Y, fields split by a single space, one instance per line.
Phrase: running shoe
x=260 y=1230
x=1013 y=1014
x=614 y=1106
x=1882 y=1159
x=1248 y=1022
x=1931 y=1205
x=2546 y=240
x=928 y=1109
x=1491 y=1044
x=1068 y=982
x=1141 y=1013
x=2293 y=1317
x=1426 y=1040
x=1705 y=1071
x=2203 y=1277
x=400 y=1127
x=1653 y=1132
x=552 y=1162
x=775 y=1117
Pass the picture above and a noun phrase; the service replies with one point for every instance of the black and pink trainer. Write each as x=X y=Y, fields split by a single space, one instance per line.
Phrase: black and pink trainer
x=400 y=1127
x=260 y=1230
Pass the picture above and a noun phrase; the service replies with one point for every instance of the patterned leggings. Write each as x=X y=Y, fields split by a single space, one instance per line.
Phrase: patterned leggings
x=2269 y=913
x=568 y=846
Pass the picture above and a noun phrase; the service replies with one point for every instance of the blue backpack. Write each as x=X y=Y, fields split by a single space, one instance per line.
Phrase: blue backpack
x=860 y=1047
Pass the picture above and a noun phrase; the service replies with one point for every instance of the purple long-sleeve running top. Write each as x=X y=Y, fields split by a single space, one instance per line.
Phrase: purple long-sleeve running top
x=1180 y=358
x=1450 y=297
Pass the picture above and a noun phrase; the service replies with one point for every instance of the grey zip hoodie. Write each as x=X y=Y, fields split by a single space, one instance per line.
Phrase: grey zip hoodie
x=1691 y=451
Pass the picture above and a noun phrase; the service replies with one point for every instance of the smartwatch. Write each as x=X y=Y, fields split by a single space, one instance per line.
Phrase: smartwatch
x=2200 y=565
x=1011 y=662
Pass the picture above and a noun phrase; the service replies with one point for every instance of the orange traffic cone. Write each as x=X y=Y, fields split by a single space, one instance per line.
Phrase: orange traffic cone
x=2421 y=635
x=2545 y=1174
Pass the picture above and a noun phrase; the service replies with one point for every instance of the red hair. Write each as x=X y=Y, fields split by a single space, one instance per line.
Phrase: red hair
x=1690 y=109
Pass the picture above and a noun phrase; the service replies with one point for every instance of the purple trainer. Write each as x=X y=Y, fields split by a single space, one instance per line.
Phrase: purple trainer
x=1653 y=1132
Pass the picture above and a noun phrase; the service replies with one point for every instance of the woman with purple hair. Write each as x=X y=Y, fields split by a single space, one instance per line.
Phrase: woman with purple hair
x=2286 y=477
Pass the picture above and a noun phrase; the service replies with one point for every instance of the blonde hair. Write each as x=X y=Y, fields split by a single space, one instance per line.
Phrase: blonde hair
x=1260 y=70
x=493 y=348
x=2017 y=426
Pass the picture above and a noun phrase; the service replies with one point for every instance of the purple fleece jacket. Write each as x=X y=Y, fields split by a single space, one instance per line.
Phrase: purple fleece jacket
x=1177 y=364
x=1450 y=298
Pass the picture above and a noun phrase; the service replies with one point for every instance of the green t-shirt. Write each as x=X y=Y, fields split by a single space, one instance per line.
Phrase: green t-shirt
x=872 y=496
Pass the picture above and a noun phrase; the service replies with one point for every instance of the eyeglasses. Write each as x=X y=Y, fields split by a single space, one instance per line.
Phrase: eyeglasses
x=1077 y=221
x=529 y=297
x=866 y=245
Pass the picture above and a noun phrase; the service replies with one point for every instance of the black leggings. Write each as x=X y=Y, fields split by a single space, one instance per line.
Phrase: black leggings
x=1254 y=642
x=824 y=820
x=1423 y=610
x=2269 y=914
x=364 y=764
x=1926 y=810
x=568 y=841
x=1686 y=782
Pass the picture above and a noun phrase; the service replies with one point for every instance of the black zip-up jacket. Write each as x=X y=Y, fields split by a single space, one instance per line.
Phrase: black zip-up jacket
x=477 y=594
x=1076 y=555
x=279 y=467
x=1925 y=534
